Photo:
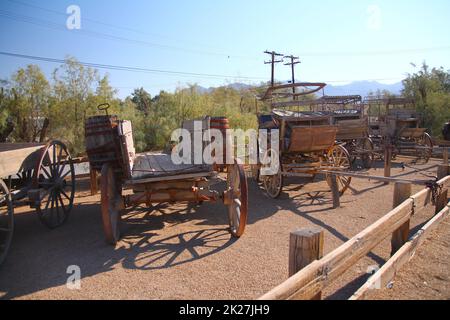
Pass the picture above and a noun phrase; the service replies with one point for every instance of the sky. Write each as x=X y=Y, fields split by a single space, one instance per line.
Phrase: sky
x=337 y=41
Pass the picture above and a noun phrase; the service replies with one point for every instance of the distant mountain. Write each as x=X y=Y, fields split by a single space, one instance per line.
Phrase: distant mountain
x=236 y=86
x=362 y=88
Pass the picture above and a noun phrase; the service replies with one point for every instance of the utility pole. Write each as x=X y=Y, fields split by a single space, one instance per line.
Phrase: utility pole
x=294 y=61
x=273 y=54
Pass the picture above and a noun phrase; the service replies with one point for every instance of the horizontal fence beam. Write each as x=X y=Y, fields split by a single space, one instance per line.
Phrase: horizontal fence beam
x=388 y=271
x=311 y=280
x=375 y=178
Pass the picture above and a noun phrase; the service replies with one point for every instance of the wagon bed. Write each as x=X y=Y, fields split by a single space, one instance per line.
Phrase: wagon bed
x=16 y=157
x=153 y=177
x=35 y=174
x=160 y=166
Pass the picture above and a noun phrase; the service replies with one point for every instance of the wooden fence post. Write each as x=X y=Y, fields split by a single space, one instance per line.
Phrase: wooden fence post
x=387 y=160
x=93 y=181
x=443 y=170
x=335 y=191
x=305 y=246
x=402 y=191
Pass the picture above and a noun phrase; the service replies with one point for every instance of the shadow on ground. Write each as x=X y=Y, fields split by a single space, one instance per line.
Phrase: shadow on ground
x=39 y=257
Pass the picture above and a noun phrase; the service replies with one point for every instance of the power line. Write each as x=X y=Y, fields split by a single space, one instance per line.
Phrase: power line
x=102 y=23
x=128 y=68
x=56 y=26
x=52 y=25
x=166 y=72
x=99 y=35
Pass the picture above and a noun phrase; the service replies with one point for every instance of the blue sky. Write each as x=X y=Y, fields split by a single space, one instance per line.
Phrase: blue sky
x=337 y=41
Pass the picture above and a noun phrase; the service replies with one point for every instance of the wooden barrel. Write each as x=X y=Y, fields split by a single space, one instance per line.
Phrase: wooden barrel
x=221 y=124
x=102 y=141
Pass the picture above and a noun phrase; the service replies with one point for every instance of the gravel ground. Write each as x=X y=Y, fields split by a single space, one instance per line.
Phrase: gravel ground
x=427 y=276
x=185 y=252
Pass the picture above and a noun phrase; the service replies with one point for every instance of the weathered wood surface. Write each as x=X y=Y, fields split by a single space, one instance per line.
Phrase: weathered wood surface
x=335 y=191
x=17 y=157
x=315 y=277
x=387 y=161
x=171 y=178
x=402 y=191
x=305 y=246
x=153 y=165
x=374 y=178
x=388 y=271
x=352 y=129
x=311 y=139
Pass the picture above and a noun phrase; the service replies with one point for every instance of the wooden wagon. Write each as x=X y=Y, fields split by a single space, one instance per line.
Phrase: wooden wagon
x=306 y=147
x=347 y=114
x=39 y=175
x=394 y=123
x=154 y=178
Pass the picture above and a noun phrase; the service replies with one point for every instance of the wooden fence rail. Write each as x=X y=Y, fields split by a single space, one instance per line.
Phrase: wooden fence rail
x=310 y=281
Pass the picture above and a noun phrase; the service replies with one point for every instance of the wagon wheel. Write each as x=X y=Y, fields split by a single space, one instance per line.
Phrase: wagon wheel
x=56 y=193
x=273 y=185
x=366 y=145
x=237 y=198
x=272 y=182
x=111 y=202
x=6 y=220
x=426 y=142
x=338 y=157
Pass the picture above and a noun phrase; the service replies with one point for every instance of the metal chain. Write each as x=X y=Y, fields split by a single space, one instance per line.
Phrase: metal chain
x=421 y=172
x=436 y=190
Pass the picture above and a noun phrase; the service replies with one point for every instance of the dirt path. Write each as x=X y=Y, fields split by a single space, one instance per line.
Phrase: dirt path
x=185 y=252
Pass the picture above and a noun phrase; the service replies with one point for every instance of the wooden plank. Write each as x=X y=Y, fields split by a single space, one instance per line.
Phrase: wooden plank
x=402 y=191
x=171 y=178
x=310 y=139
x=422 y=199
x=441 y=201
x=374 y=178
x=7 y=146
x=93 y=181
x=305 y=246
x=313 y=278
x=16 y=158
x=388 y=271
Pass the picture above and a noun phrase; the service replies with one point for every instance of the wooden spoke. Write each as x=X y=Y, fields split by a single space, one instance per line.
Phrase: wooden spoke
x=338 y=157
x=426 y=147
x=6 y=220
x=273 y=185
x=365 y=146
x=238 y=199
x=53 y=210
